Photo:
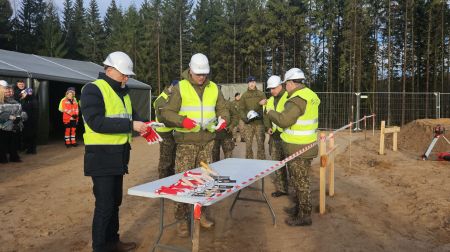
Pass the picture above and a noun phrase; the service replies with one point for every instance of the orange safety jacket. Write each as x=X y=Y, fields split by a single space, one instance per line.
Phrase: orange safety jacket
x=69 y=108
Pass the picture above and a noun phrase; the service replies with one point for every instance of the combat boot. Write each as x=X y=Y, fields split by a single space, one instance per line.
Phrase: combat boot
x=182 y=229
x=292 y=211
x=299 y=221
x=205 y=223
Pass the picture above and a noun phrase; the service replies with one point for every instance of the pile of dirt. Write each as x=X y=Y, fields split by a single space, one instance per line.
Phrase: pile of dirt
x=417 y=135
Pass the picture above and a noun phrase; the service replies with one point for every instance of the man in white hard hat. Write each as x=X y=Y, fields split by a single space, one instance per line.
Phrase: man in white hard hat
x=197 y=110
x=276 y=102
x=109 y=121
x=299 y=121
x=251 y=112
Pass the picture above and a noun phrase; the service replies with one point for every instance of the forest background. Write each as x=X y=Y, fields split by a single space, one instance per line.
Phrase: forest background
x=341 y=45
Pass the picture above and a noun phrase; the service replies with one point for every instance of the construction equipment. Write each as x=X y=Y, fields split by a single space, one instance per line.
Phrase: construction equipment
x=439 y=132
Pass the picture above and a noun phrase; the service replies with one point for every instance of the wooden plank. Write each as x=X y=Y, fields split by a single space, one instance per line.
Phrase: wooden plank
x=381 y=151
x=331 y=166
x=394 y=145
x=322 y=153
x=196 y=236
x=394 y=129
x=322 y=189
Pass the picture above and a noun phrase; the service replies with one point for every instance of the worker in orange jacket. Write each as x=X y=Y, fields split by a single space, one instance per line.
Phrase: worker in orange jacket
x=69 y=108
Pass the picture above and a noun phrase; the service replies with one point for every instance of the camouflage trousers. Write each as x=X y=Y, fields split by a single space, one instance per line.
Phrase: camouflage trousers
x=280 y=178
x=227 y=145
x=188 y=156
x=250 y=131
x=299 y=184
x=166 y=165
x=240 y=127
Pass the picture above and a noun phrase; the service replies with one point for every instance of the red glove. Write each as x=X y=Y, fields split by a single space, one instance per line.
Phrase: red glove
x=222 y=124
x=151 y=136
x=188 y=123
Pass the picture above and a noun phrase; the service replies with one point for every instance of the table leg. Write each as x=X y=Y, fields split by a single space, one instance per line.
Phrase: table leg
x=255 y=200
x=161 y=223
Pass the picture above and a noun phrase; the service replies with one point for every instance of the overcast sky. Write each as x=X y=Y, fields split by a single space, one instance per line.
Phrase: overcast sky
x=102 y=4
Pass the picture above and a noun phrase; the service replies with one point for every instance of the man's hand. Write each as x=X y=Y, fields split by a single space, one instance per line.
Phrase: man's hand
x=268 y=110
x=188 y=123
x=263 y=102
x=269 y=131
x=140 y=127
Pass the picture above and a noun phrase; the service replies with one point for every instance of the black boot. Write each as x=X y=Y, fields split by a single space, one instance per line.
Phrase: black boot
x=299 y=221
x=292 y=211
x=277 y=194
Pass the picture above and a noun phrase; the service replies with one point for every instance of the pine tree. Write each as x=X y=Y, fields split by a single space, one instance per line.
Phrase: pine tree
x=5 y=25
x=52 y=36
x=30 y=20
x=94 y=45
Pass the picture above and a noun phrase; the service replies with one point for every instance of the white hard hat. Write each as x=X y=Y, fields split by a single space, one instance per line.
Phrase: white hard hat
x=252 y=114
x=274 y=81
x=294 y=74
x=3 y=83
x=120 y=61
x=199 y=64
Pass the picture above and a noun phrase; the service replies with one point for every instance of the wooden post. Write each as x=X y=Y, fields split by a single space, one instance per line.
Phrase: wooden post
x=196 y=236
x=394 y=144
x=331 y=167
x=383 y=124
x=322 y=182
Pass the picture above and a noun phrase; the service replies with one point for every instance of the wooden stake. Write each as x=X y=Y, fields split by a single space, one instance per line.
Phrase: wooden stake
x=196 y=236
x=322 y=182
x=331 y=167
x=381 y=151
x=394 y=145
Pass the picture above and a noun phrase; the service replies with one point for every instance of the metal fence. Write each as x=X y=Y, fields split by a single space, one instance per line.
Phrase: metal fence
x=396 y=108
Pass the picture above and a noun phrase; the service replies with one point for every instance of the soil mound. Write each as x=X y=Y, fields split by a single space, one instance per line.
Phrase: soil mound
x=417 y=135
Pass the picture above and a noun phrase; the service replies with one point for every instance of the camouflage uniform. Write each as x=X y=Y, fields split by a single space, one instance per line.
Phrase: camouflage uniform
x=224 y=138
x=192 y=147
x=166 y=165
x=188 y=157
x=299 y=182
x=276 y=151
x=280 y=176
x=250 y=101
x=300 y=166
x=257 y=130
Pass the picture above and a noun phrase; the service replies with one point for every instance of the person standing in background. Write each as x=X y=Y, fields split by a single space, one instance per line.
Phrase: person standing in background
x=69 y=108
x=251 y=112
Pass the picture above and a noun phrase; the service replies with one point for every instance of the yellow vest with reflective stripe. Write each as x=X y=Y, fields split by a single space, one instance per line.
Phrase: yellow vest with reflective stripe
x=164 y=96
x=114 y=108
x=201 y=111
x=304 y=131
x=280 y=107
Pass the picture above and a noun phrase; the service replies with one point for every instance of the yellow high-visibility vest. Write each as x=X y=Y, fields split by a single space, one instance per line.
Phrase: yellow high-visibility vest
x=304 y=131
x=114 y=108
x=280 y=107
x=203 y=111
x=164 y=96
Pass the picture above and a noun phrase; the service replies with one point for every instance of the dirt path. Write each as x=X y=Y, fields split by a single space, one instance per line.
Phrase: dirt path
x=382 y=203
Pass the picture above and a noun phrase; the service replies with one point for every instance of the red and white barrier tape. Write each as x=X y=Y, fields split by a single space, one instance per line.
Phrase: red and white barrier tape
x=279 y=164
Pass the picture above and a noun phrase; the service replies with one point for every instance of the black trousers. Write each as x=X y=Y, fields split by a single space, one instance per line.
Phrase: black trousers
x=9 y=144
x=108 y=197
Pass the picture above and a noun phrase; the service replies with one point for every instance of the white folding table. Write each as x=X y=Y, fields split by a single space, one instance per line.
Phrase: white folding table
x=244 y=171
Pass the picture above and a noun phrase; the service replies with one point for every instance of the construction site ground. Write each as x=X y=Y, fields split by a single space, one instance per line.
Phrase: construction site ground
x=393 y=202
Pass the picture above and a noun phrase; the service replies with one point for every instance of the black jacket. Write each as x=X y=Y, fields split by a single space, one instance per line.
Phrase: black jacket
x=104 y=160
